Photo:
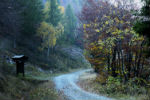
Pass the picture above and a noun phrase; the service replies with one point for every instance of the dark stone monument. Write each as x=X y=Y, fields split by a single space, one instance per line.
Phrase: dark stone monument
x=20 y=60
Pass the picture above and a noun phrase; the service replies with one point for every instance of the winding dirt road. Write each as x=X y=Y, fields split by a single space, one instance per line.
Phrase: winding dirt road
x=67 y=84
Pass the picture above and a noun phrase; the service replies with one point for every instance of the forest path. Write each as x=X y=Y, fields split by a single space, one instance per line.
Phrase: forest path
x=68 y=85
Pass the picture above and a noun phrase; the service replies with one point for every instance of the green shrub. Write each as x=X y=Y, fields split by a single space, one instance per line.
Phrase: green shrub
x=7 y=68
x=113 y=84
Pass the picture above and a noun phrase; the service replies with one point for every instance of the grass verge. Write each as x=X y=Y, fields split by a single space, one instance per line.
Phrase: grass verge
x=116 y=90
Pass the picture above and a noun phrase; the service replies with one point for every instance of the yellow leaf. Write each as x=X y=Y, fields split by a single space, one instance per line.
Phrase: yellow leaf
x=106 y=22
x=97 y=30
x=62 y=9
x=84 y=26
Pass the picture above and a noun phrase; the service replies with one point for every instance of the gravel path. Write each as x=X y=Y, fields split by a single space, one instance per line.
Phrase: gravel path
x=67 y=84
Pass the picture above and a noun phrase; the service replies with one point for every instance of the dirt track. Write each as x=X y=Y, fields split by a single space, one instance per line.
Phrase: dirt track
x=67 y=84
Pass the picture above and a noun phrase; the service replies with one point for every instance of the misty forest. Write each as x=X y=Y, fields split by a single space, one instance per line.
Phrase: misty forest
x=74 y=49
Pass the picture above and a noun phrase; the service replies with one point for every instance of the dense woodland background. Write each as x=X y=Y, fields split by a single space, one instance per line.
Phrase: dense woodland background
x=46 y=32
x=57 y=35
x=38 y=29
x=117 y=44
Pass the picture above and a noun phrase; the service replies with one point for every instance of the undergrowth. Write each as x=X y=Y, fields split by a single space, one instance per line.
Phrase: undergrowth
x=114 y=87
x=25 y=88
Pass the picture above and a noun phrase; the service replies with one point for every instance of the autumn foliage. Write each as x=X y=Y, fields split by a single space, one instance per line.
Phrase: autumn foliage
x=114 y=47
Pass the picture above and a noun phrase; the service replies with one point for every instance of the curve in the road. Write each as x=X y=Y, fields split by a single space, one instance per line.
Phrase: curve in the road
x=67 y=84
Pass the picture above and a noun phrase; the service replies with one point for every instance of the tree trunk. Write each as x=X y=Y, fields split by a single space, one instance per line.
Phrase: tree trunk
x=48 y=51
x=108 y=62
x=135 y=64
x=139 y=60
x=123 y=67
x=119 y=60
x=14 y=44
x=142 y=66
x=113 y=65
x=129 y=63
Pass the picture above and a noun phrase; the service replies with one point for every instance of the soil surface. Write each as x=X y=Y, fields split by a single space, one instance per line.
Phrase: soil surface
x=68 y=85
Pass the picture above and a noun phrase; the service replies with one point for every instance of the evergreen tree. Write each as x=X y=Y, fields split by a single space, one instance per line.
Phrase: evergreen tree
x=143 y=25
x=10 y=20
x=58 y=2
x=71 y=24
x=47 y=31
x=54 y=13
x=32 y=16
x=146 y=8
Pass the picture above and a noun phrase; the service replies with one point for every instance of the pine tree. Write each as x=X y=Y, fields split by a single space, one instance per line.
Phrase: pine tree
x=54 y=13
x=146 y=8
x=143 y=25
x=71 y=24
x=32 y=16
x=10 y=20
x=47 y=31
